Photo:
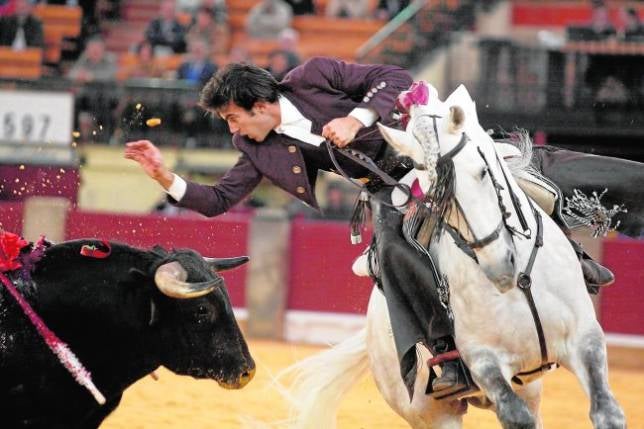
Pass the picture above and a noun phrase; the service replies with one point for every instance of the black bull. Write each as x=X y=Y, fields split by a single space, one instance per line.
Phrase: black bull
x=115 y=318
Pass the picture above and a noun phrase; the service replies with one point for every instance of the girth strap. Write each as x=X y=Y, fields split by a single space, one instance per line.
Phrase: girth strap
x=524 y=282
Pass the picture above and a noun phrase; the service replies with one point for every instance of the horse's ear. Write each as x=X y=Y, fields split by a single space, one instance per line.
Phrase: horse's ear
x=403 y=142
x=456 y=119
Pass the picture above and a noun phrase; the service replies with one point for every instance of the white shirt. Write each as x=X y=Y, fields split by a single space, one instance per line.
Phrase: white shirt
x=293 y=124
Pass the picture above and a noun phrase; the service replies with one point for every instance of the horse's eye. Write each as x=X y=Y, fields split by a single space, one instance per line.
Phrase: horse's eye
x=482 y=174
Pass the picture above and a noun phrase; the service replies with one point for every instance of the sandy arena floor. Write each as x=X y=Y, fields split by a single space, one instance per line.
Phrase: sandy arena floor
x=182 y=402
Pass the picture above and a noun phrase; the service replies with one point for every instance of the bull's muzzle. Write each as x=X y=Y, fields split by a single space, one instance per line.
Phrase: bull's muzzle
x=171 y=278
x=243 y=380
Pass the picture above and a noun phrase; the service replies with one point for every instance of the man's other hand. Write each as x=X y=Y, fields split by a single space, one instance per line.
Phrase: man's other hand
x=150 y=158
x=342 y=131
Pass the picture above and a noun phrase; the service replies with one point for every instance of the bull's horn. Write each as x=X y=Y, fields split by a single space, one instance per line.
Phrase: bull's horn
x=171 y=278
x=222 y=264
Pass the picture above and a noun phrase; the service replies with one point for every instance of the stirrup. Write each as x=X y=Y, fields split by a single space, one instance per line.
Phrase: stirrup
x=460 y=390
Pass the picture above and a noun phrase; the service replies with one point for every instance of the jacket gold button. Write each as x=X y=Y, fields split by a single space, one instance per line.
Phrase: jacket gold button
x=292 y=149
x=300 y=190
x=297 y=169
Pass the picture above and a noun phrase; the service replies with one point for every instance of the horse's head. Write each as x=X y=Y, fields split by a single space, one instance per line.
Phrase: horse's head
x=458 y=171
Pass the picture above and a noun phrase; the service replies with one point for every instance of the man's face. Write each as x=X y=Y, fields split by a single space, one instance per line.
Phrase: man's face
x=255 y=124
x=95 y=51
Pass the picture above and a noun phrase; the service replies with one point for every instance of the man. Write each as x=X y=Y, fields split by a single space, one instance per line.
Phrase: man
x=279 y=128
x=268 y=18
x=165 y=33
x=21 y=30
x=198 y=68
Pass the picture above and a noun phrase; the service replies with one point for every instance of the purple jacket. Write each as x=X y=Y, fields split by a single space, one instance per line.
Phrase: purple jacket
x=322 y=89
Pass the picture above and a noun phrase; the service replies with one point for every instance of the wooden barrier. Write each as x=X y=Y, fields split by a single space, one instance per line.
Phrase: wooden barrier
x=25 y=64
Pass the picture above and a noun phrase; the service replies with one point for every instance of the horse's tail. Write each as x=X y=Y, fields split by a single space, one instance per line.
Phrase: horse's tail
x=321 y=381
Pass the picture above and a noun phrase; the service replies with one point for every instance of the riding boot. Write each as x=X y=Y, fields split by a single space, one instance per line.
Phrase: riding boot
x=451 y=377
x=595 y=275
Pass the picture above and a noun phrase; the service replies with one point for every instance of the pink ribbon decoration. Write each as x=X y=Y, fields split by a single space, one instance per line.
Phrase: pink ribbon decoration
x=416 y=190
x=417 y=94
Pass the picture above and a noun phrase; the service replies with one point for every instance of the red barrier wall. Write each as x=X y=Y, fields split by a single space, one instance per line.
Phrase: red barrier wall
x=622 y=304
x=11 y=217
x=320 y=271
x=19 y=182
x=558 y=14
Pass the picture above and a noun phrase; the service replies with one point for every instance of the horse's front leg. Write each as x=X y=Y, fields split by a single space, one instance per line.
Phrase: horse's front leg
x=531 y=394
x=587 y=360
x=511 y=410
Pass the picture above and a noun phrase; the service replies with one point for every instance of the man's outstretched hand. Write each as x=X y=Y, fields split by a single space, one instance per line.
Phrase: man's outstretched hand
x=150 y=159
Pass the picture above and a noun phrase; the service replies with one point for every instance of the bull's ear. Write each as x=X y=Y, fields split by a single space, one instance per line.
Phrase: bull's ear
x=222 y=264
x=137 y=274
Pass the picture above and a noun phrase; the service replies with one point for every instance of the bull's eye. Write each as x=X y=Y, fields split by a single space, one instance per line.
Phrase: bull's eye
x=202 y=310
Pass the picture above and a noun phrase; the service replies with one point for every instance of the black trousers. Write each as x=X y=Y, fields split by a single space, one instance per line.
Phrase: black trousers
x=409 y=286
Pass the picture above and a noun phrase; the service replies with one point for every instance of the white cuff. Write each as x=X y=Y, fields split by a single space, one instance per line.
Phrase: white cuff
x=367 y=116
x=178 y=188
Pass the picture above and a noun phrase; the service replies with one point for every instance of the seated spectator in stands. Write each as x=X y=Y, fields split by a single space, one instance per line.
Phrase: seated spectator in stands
x=198 y=69
x=145 y=65
x=285 y=58
x=239 y=54
x=165 y=33
x=600 y=21
x=302 y=7
x=633 y=28
x=207 y=28
x=347 y=8
x=21 y=30
x=268 y=18
x=387 y=9
x=95 y=64
x=336 y=207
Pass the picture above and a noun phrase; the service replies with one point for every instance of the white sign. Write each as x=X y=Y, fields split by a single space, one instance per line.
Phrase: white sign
x=36 y=117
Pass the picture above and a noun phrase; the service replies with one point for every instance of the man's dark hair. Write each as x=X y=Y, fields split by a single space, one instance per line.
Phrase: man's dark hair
x=243 y=84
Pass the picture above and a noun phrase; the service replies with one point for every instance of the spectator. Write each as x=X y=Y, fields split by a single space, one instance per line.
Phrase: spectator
x=348 y=8
x=145 y=65
x=207 y=28
x=219 y=8
x=198 y=69
x=600 y=21
x=302 y=7
x=387 y=9
x=633 y=28
x=285 y=58
x=239 y=54
x=95 y=64
x=165 y=33
x=268 y=18
x=336 y=207
x=21 y=30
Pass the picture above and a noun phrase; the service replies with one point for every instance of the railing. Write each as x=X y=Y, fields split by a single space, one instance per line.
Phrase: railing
x=418 y=29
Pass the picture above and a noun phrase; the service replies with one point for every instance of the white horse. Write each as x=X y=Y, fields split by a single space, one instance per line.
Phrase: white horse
x=494 y=327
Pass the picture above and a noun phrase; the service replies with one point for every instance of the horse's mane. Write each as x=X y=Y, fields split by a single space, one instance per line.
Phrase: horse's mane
x=520 y=166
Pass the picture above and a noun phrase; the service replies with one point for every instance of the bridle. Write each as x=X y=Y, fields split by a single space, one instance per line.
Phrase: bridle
x=524 y=281
x=469 y=246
